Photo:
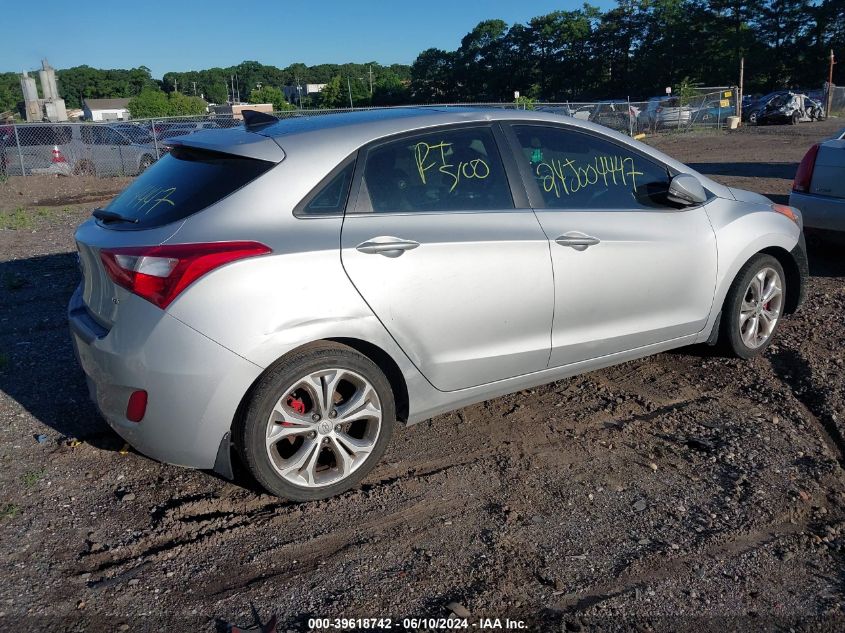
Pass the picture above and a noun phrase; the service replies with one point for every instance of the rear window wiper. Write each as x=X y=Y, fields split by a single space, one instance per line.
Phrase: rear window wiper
x=111 y=216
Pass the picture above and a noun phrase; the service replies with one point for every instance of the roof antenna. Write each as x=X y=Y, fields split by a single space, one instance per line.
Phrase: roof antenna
x=253 y=119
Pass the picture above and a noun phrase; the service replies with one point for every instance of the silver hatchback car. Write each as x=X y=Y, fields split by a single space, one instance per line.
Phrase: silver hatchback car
x=289 y=289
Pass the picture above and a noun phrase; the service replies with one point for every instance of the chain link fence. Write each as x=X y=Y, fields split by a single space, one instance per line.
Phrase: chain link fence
x=837 y=100
x=127 y=148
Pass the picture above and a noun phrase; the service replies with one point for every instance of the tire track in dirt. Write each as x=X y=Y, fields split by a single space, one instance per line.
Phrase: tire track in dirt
x=627 y=582
x=810 y=397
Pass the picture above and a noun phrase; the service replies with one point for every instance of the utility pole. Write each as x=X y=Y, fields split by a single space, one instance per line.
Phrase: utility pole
x=175 y=85
x=739 y=91
x=298 y=90
x=349 y=86
x=830 y=85
x=371 y=80
x=195 y=87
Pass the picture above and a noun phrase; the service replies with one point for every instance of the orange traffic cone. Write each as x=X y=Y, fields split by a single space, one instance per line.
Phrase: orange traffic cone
x=58 y=157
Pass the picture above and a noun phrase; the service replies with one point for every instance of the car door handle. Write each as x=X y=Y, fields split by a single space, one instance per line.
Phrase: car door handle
x=387 y=246
x=578 y=241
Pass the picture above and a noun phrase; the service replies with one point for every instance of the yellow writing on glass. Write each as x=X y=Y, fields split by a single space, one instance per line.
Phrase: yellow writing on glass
x=429 y=156
x=568 y=176
x=148 y=199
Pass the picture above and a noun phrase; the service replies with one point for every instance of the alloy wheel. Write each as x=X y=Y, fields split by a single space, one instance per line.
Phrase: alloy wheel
x=323 y=427
x=761 y=307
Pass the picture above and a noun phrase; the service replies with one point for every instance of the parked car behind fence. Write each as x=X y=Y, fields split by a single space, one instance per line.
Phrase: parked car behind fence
x=65 y=149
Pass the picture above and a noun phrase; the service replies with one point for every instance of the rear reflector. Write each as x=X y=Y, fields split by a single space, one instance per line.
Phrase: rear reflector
x=137 y=406
x=159 y=273
x=805 y=170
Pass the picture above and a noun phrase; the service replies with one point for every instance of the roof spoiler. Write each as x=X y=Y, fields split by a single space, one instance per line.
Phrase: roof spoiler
x=255 y=120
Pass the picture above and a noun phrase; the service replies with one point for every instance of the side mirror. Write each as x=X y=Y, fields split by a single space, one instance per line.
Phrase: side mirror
x=686 y=190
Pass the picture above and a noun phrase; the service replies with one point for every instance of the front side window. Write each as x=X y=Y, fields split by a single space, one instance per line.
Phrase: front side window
x=451 y=170
x=581 y=171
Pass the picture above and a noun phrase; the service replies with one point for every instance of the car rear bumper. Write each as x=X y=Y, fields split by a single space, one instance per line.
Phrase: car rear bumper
x=820 y=212
x=194 y=385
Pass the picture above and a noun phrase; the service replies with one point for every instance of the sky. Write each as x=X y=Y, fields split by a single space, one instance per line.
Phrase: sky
x=182 y=35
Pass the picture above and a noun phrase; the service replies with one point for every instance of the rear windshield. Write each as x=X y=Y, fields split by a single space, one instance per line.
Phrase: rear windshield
x=183 y=182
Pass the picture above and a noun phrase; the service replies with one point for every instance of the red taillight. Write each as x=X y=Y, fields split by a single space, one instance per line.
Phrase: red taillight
x=805 y=170
x=159 y=273
x=137 y=406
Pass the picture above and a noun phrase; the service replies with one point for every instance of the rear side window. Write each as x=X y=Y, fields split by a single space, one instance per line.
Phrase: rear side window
x=450 y=170
x=183 y=182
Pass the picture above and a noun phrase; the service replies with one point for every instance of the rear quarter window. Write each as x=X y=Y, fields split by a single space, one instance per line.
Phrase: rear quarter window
x=183 y=182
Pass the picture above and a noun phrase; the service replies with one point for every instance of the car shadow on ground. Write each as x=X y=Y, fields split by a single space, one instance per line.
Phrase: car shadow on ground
x=38 y=369
x=747 y=170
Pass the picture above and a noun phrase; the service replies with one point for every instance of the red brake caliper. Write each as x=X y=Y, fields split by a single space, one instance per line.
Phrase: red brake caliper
x=297 y=405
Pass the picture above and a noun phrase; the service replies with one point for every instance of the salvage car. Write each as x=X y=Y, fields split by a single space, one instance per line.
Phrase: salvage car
x=819 y=186
x=288 y=290
x=785 y=107
x=664 y=112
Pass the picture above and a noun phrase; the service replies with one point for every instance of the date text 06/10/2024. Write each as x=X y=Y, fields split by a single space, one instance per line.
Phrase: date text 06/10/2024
x=362 y=624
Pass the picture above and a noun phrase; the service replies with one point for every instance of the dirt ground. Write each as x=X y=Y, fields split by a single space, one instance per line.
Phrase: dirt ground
x=683 y=491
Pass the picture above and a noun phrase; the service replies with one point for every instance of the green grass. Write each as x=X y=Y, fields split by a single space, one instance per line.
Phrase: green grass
x=32 y=477
x=9 y=511
x=18 y=220
x=23 y=219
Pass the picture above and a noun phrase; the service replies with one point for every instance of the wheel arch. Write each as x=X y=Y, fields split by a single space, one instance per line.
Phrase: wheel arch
x=792 y=271
x=391 y=370
x=375 y=353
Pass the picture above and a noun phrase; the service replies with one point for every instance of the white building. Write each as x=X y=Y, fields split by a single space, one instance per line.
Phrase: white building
x=106 y=109
x=293 y=93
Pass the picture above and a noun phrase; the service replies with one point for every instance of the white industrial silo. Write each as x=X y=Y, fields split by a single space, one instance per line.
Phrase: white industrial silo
x=28 y=87
x=32 y=106
x=48 y=81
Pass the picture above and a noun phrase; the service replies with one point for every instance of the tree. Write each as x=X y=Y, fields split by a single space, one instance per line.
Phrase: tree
x=183 y=105
x=479 y=61
x=150 y=103
x=432 y=76
x=268 y=94
x=331 y=96
x=390 y=89
x=216 y=93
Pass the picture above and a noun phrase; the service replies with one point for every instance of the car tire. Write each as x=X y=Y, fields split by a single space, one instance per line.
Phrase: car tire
x=146 y=161
x=300 y=444
x=755 y=301
x=796 y=118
